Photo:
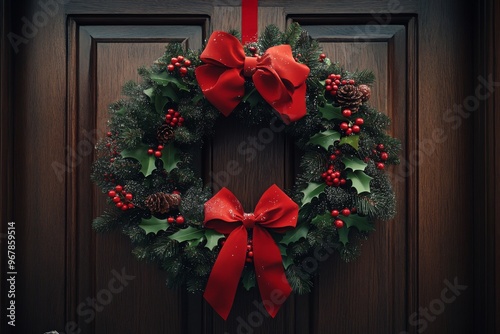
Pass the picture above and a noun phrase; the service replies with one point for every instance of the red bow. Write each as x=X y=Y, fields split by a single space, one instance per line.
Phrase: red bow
x=224 y=213
x=278 y=78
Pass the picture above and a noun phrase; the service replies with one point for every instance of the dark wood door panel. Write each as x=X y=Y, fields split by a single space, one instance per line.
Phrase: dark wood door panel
x=107 y=56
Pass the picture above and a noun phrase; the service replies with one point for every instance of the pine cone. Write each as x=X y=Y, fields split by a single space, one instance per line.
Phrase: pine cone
x=349 y=97
x=162 y=202
x=165 y=133
x=365 y=91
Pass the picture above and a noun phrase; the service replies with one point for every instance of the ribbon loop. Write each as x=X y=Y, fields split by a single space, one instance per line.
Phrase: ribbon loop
x=223 y=212
x=279 y=79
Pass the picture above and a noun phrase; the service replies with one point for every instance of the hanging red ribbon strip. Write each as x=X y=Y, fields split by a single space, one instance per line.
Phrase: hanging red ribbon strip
x=224 y=213
x=249 y=20
x=278 y=78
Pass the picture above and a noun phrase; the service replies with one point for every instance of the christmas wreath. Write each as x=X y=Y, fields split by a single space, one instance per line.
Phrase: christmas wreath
x=207 y=242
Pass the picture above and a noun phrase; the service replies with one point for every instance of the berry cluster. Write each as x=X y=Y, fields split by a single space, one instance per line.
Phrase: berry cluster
x=351 y=127
x=249 y=257
x=339 y=223
x=334 y=81
x=174 y=118
x=381 y=155
x=333 y=177
x=254 y=50
x=179 y=220
x=121 y=198
x=157 y=152
x=109 y=177
x=179 y=63
x=322 y=57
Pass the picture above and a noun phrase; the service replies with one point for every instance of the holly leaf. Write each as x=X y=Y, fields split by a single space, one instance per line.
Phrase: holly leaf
x=324 y=139
x=194 y=242
x=295 y=235
x=360 y=181
x=287 y=261
x=170 y=157
x=359 y=222
x=343 y=235
x=213 y=238
x=149 y=92
x=253 y=97
x=248 y=280
x=312 y=191
x=354 y=163
x=140 y=153
x=164 y=79
x=187 y=234
x=350 y=140
x=330 y=112
x=160 y=102
x=322 y=219
x=153 y=225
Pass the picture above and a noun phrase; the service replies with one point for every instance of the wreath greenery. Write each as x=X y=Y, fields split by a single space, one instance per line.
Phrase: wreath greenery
x=157 y=196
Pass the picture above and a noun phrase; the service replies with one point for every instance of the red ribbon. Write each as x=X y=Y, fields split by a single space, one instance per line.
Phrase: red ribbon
x=224 y=213
x=278 y=78
x=249 y=19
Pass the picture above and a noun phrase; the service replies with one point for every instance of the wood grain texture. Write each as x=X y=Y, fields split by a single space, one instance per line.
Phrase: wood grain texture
x=445 y=197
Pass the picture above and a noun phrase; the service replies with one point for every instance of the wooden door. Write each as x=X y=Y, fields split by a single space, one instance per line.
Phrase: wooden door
x=65 y=74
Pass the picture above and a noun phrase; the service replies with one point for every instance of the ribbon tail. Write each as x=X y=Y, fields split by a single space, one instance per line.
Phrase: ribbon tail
x=226 y=273
x=273 y=285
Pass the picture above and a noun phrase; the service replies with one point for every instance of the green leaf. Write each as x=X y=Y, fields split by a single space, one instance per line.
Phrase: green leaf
x=160 y=102
x=354 y=163
x=360 y=181
x=287 y=261
x=194 y=242
x=187 y=234
x=140 y=153
x=213 y=238
x=350 y=140
x=164 y=78
x=343 y=235
x=312 y=191
x=322 y=219
x=330 y=112
x=170 y=157
x=149 y=92
x=253 y=97
x=248 y=280
x=295 y=235
x=359 y=222
x=324 y=139
x=153 y=225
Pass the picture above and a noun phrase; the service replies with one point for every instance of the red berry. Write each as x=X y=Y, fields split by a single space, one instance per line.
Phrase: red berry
x=338 y=223
x=109 y=134
x=384 y=156
x=158 y=154
x=179 y=220
x=129 y=197
x=252 y=49
x=355 y=128
x=176 y=192
x=249 y=247
x=168 y=117
x=151 y=151
x=348 y=131
x=333 y=157
x=380 y=165
x=346 y=212
x=324 y=175
x=250 y=254
x=108 y=145
x=183 y=70
x=322 y=56
x=170 y=220
x=335 y=87
x=180 y=58
x=177 y=114
x=335 y=213
x=351 y=82
x=342 y=182
x=171 y=111
x=175 y=120
x=112 y=160
x=343 y=82
x=112 y=193
x=337 y=81
x=328 y=81
x=124 y=207
x=160 y=147
x=380 y=147
x=131 y=205
x=187 y=62
x=336 y=181
x=328 y=88
x=173 y=60
x=359 y=121
x=116 y=199
x=346 y=113
x=119 y=204
x=333 y=92
x=170 y=68
x=181 y=120
x=177 y=64
x=119 y=188
x=344 y=126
